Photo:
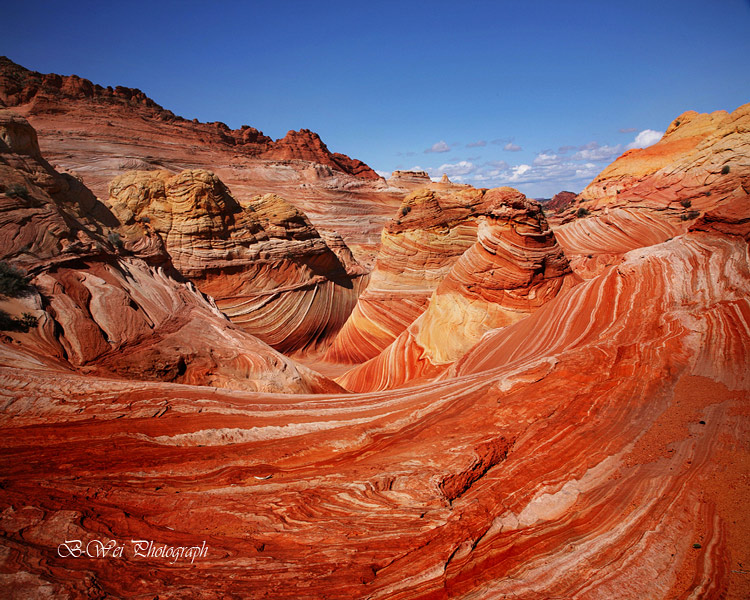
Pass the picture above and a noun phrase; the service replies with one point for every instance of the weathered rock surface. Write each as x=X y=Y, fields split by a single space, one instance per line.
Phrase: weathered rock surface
x=595 y=449
x=418 y=248
x=409 y=179
x=559 y=202
x=265 y=264
x=652 y=194
x=513 y=268
x=106 y=297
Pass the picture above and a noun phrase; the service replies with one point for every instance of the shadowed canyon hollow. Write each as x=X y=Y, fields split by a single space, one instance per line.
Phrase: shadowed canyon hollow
x=294 y=378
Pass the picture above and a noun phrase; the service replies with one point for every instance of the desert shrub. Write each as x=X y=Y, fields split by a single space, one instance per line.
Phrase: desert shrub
x=405 y=210
x=725 y=170
x=28 y=321
x=17 y=190
x=13 y=283
x=582 y=212
x=686 y=203
x=688 y=216
x=115 y=239
x=8 y=323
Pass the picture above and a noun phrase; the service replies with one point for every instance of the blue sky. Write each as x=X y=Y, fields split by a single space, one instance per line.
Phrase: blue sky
x=539 y=95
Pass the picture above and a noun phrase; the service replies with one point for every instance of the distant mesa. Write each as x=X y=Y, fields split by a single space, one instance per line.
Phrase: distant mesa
x=409 y=176
x=559 y=202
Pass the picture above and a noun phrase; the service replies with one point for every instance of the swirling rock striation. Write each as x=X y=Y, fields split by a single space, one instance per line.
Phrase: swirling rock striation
x=265 y=264
x=593 y=450
x=418 y=248
x=105 y=296
x=513 y=268
x=652 y=194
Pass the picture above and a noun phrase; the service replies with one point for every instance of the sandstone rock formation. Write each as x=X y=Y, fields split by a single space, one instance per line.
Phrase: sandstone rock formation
x=409 y=179
x=418 y=248
x=652 y=194
x=559 y=202
x=513 y=268
x=594 y=449
x=307 y=145
x=265 y=265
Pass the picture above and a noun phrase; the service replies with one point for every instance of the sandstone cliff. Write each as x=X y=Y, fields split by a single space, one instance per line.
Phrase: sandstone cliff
x=99 y=133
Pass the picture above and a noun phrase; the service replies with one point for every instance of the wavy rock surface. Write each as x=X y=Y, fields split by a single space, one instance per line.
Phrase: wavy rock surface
x=513 y=268
x=652 y=194
x=418 y=249
x=601 y=456
x=595 y=449
x=265 y=265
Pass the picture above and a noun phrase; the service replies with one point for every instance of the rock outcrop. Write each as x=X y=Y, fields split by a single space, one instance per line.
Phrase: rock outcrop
x=513 y=268
x=559 y=202
x=409 y=179
x=595 y=448
x=307 y=145
x=649 y=195
x=265 y=264
x=418 y=248
x=99 y=133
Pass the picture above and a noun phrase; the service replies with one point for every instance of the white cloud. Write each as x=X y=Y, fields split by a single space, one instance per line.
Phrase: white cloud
x=593 y=151
x=463 y=167
x=645 y=138
x=546 y=159
x=511 y=147
x=477 y=144
x=384 y=174
x=440 y=146
x=517 y=172
x=628 y=130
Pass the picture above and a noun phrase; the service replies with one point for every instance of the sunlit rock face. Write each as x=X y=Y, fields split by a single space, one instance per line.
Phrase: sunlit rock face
x=595 y=449
x=513 y=268
x=418 y=248
x=652 y=194
x=265 y=264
